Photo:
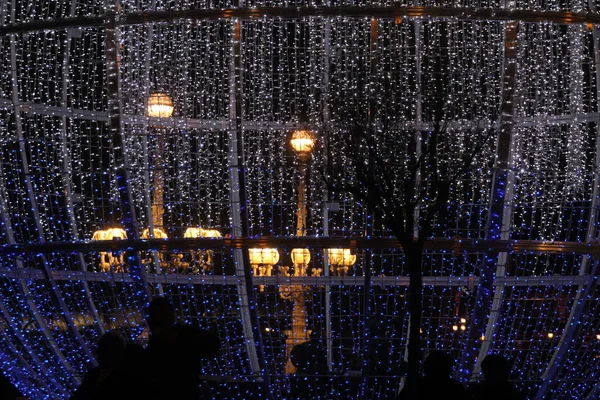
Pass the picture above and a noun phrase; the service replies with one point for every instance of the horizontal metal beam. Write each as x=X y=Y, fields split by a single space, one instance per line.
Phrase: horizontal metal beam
x=454 y=245
x=224 y=124
x=445 y=281
x=259 y=13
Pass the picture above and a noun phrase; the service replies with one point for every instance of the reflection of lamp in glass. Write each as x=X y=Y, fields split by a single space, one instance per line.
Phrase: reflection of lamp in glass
x=262 y=261
x=202 y=259
x=160 y=105
x=108 y=260
x=341 y=260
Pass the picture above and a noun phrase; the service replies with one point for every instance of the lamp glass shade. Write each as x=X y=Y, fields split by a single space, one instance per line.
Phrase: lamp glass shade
x=158 y=234
x=263 y=256
x=301 y=256
x=201 y=233
x=342 y=257
x=160 y=105
x=302 y=142
x=110 y=234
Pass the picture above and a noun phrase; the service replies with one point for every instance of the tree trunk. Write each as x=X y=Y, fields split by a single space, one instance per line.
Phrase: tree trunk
x=414 y=257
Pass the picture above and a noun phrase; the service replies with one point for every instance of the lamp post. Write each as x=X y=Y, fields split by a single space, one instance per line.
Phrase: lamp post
x=302 y=142
x=160 y=105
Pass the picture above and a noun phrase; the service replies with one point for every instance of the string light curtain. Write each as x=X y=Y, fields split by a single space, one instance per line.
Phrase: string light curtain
x=239 y=87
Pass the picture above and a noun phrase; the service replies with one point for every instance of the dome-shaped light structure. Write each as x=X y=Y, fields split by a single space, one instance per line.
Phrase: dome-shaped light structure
x=300 y=256
x=303 y=142
x=160 y=105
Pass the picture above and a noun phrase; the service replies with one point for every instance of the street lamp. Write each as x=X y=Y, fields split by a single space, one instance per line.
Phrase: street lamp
x=302 y=142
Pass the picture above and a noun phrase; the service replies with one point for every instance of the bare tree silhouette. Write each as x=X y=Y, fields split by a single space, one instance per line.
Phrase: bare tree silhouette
x=402 y=172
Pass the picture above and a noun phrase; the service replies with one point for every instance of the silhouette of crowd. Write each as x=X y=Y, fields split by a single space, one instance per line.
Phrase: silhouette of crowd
x=169 y=367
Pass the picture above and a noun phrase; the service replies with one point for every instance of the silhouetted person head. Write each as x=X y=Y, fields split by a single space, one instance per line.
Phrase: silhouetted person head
x=438 y=364
x=111 y=348
x=160 y=316
x=495 y=368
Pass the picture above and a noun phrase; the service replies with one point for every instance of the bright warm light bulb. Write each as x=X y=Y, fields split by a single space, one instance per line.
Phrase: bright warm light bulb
x=160 y=105
x=550 y=335
x=463 y=320
x=302 y=142
x=454 y=328
x=598 y=336
x=463 y=328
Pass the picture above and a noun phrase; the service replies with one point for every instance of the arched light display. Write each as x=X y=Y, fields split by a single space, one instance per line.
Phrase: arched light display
x=512 y=252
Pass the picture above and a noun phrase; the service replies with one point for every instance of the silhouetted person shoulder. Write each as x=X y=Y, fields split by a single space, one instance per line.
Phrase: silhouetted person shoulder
x=496 y=371
x=174 y=353
x=436 y=382
x=8 y=391
x=97 y=382
x=310 y=358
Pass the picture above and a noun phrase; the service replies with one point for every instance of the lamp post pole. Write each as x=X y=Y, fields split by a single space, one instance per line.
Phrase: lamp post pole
x=160 y=105
x=302 y=143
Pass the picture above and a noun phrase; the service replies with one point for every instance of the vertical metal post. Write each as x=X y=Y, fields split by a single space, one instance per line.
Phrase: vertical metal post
x=25 y=293
x=33 y=309
x=56 y=296
x=595 y=392
x=584 y=291
x=369 y=223
x=66 y=180
x=498 y=223
x=147 y=198
x=419 y=119
x=239 y=215
x=128 y=216
x=326 y=122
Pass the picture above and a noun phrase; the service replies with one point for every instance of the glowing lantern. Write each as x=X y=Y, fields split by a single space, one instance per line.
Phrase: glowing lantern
x=268 y=257
x=341 y=260
x=300 y=256
x=160 y=105
x=302 y=142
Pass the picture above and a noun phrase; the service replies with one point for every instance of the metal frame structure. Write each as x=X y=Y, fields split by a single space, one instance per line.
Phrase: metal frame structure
x=496 y=246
